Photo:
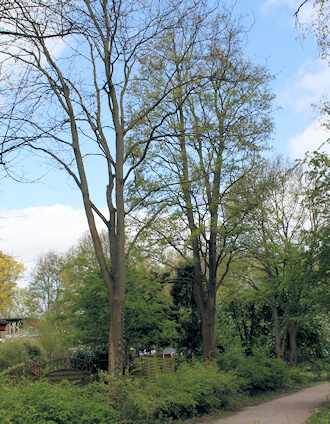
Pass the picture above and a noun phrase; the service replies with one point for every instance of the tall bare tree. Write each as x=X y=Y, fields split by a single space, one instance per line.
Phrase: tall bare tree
x=66 y=99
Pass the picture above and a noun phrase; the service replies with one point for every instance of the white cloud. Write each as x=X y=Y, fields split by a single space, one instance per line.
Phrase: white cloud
x=306 y=87
x=27 y=233
x=269 y=4
x=308 y=140
x=305 y=12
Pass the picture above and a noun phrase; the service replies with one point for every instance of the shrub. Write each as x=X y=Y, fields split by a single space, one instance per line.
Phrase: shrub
x=191 y=390
x=316 y=370
x=260 y=374
x=40 y=402
x=18 y=350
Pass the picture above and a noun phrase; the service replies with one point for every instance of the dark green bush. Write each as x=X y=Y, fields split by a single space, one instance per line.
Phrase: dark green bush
x=261 y=374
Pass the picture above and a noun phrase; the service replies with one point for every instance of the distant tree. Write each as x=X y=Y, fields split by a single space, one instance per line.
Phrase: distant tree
x=10 y=272
x=274 y=244
x=46 y=284
x=19 y=305
x=317 y=236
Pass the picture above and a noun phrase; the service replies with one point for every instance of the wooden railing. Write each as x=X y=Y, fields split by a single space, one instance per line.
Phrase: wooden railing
x=62 y=368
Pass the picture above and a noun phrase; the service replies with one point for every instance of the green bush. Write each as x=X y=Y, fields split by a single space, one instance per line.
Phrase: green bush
x=316 y=370
x=18 y=350
x=40 y=402
x=258 y=373
x=190 y=391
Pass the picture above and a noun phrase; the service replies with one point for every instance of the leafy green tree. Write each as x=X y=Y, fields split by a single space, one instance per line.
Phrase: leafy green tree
x=221 y=120
x=148 y=320
x=282 y=246
x=10 y=272
x=244 y=310
x=317 y=236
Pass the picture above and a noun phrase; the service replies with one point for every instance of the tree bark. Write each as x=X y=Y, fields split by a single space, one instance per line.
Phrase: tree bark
x=280 y=340
x=208 y=330
x=293 y=330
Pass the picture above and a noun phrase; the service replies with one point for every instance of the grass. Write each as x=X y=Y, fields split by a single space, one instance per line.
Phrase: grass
x=321 y=416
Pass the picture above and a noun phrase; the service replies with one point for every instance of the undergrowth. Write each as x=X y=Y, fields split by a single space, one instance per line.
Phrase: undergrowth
x=321 y=416
x=194 y=389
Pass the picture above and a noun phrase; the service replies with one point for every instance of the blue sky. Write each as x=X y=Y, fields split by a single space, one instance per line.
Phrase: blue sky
x=35 y=218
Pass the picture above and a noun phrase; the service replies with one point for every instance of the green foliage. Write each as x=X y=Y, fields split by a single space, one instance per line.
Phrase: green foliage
x=149 y=320
x=10 y=272
x=315 y=371
x=257 y=373
x=261 y=374
x=243 y=318
x=84 y=309
x=321 y=416
x=44 y=344
x=45 y=286
x=18 y=350
x=40 y=402
x=313 y=340
x=190 y=391
x=186 y=313
x=50 y=336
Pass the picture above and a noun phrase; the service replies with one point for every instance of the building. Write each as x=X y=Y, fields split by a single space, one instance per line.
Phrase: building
x=9 y=327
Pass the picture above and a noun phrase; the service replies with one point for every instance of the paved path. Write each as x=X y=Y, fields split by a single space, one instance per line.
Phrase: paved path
x=290 y=409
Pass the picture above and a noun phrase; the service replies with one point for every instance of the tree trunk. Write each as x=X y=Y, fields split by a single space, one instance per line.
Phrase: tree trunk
x=117 y=252
x=293 y=330
x=280 y=341
x=116 y=348
x=208 y=334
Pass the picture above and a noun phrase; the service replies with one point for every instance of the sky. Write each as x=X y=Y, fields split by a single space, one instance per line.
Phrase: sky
x=48 y=215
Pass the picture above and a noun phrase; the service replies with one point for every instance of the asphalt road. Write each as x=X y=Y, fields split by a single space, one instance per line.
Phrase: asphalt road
x=290 y=409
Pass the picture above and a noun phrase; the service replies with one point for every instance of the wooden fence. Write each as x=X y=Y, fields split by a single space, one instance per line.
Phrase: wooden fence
x=152 y=366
